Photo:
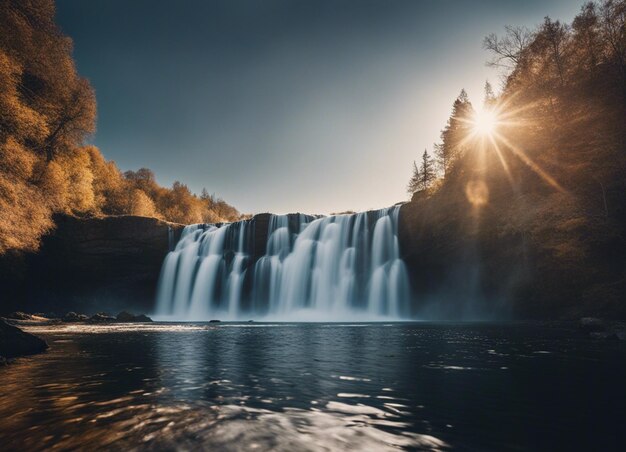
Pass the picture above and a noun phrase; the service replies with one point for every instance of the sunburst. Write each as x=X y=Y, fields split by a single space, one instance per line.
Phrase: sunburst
x=487 y=131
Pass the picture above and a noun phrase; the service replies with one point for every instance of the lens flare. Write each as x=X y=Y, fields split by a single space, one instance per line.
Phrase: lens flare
x=477 y=193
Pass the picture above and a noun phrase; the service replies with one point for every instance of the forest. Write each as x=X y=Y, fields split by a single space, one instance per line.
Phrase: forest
x=47 y=115
x=544 y=182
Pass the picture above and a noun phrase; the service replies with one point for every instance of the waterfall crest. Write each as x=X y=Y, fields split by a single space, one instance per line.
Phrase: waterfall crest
x=341 y=267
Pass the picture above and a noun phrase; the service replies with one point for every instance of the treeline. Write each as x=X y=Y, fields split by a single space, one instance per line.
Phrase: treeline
x=546 y=71
x=553 y=170
x=46 y=112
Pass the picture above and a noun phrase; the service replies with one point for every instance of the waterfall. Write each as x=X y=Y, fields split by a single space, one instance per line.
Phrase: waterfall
x=341 y=267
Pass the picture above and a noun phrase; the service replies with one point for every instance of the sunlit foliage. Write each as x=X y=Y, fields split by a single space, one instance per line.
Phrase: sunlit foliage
x=46 y=113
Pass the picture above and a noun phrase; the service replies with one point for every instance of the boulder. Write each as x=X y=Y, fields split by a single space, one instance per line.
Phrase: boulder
x=125 y=316
x=19 y=315
x=73 y=317
x=101 y=317
x=15 y=342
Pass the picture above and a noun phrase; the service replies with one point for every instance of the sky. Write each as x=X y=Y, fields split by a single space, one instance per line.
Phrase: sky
x=284 y=106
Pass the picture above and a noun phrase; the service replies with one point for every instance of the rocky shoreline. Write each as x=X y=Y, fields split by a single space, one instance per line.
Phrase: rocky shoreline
x=14 y=342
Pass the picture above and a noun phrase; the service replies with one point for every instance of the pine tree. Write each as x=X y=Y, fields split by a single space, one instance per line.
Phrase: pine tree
x=455 y=131
x=490 y=97
x=440 y=158
x=415 y=181
x=427 y=171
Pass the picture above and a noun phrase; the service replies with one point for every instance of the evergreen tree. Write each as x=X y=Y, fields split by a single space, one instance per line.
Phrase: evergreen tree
x=490 y=97
x=427 y=171
x=455 y=132
x=415 y=181
x=440 y=158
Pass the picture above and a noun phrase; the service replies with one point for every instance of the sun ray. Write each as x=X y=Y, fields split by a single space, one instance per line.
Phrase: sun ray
x=505 y=165
x=528 y=161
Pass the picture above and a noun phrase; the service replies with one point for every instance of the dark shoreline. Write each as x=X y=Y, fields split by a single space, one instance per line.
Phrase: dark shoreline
x=15 y=342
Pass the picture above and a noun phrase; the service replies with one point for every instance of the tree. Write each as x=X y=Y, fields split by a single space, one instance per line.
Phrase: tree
x=415 y=181
x=456 y=131
x=551 y=42
x=47 y=80
x=108 y=185
x=613 y=14
x=46 y=110
x=586 y=37
x=427 y=171
x=24 y=214
x=141 y=204
x=509 y=50
x=490 y=97
x=440 y=158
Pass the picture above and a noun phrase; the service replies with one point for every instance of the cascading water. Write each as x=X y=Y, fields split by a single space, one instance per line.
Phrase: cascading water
x=342 y=267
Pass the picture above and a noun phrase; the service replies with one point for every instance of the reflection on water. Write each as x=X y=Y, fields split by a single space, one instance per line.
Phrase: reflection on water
x=315 y=387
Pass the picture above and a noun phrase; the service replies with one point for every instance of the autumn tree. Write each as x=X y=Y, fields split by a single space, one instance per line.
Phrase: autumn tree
x=46 y=109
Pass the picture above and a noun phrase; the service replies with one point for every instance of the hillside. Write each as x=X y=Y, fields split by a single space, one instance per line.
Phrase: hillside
x=529 y=217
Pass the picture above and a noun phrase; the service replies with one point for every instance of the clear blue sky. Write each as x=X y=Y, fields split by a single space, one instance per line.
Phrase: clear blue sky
x=283 y=106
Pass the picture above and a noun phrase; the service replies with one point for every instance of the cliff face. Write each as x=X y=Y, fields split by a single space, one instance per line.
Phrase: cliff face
x=89 y=265
x=460 y=268
x=467 y=264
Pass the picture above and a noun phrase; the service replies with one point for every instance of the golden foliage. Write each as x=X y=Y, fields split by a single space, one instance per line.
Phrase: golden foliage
x=46 y=112
x=142 y=205
x=25 y=215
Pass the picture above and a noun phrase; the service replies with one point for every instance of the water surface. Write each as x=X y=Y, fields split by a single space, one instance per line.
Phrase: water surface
x=316 y=387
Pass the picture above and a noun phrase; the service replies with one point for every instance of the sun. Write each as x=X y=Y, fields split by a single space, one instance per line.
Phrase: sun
x=485 y=122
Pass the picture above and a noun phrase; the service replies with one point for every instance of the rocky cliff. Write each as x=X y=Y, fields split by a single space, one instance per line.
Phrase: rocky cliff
x=461 y=268
x=89 y=265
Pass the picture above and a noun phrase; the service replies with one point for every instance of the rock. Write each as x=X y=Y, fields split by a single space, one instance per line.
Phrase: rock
x=101 y=317
x=18 y=315
x=592 y=324
x=43 y=315
x=15 y=342
x=125 y=316
x=142 y=318
x=73 y=317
